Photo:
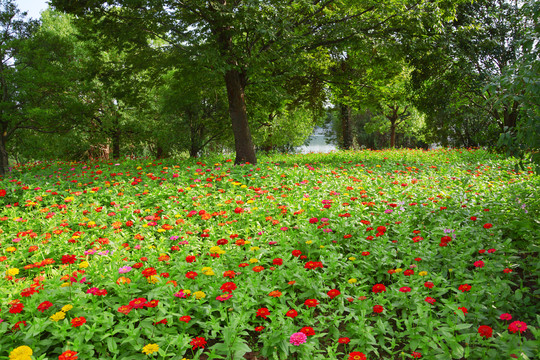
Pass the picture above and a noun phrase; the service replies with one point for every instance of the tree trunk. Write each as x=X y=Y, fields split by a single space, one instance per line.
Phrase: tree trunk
x=160 y=153
x=235 y=82
x=392 y=134
x=511 y=116
x=116 y=139
x=346 y=126
x=4 y=159
x=243 y=143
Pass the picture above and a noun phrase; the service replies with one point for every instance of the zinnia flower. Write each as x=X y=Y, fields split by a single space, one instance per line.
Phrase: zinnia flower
x=505 y=316
x=357 y=355
x=333 y=293
x=21 y=353
x=75 y=322
x=311 y=302
x=263 y=312
x=485 y=331
x=68 y=355
x=198 y=342
x=517 y=326
x=150 y=349
x=298 y=338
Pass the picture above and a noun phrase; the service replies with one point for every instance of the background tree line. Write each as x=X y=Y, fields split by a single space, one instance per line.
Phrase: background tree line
x=96 y=79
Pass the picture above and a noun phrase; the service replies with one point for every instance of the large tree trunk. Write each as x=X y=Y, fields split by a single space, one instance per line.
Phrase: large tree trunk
x=346 y=126
x=235 y=82
x=243 y=143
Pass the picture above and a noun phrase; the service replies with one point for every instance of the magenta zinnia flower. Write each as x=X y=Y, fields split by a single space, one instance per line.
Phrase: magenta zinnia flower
x=298 y=338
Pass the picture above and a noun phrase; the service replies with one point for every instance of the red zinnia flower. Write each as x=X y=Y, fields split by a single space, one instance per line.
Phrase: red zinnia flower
x=258 y=268
x=259 y=328
x=149 y=272
x=430 y=300
x=137 y=303
x=408 y=272
x=377 y=309
x=463 y=309
x=277 y=261
x=75 y=322
x=488 y=226
x=485 y=331
x=464 y=287
x=416 y=355
x=292 y=313
x=311 y=302
x=517 y=326
x=428 y=284
x=377 y=288
x=357 y=355
x=68 y=259
x=479 y=264
x=68 y=355
x=125 y=309
x=228 y=287
x=296 y=253
x=230 y=274
x=333 y=293
x=198 y=342
x=3 y=192
x=405 y=289
x=152 y=303
x=191 y=274
x=44 y=306
x=307 y=330
x=344 y=340
x=505 y=316
x=190 y=258
x=185 y=318
x=263 y=312
x=16 y=308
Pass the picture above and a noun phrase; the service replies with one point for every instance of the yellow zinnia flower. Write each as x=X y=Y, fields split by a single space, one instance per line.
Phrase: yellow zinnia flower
x=199 y=294
x=13 y=271
x=58 y=316
x=422 y=273
x=351 y=281
x=84 y=264
x=21 y=353
x=150 y=349
x=253 y=261
x=67 y=307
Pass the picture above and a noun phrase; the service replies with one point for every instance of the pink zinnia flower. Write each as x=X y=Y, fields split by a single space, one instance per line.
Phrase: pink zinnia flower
x=298 y=338
x=506 y=316
x=479 y=264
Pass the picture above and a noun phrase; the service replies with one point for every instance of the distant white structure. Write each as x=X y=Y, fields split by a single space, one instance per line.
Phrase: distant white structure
x=317 y=143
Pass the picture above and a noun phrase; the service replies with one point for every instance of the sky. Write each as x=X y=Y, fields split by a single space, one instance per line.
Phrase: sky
x=33 y=7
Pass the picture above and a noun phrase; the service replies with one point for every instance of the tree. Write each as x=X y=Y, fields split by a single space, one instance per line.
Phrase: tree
x=453 y=68
x=243 y=38
x=38 y=77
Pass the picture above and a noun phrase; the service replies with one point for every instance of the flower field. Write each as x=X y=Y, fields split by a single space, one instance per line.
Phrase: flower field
x=351 y=255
